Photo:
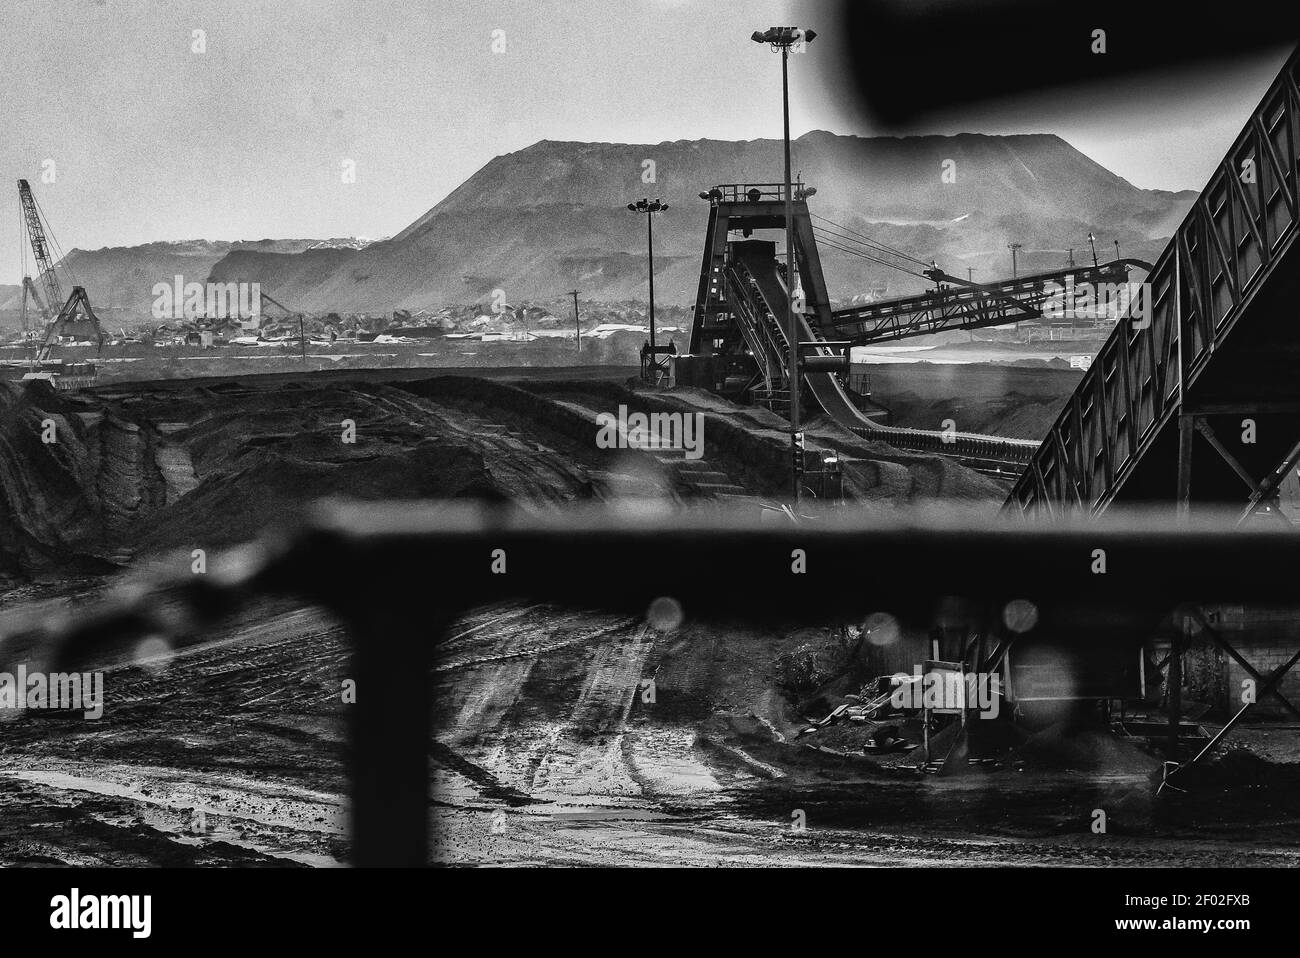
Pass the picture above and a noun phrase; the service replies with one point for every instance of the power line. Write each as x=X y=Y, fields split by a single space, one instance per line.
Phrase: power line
x=837 y=242
x=883 y=247
x=62 y=258
x=830 y=242
x=873 y=247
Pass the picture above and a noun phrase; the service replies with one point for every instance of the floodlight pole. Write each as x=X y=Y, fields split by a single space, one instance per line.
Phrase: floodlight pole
x=577 y=323
x=792 y=337
x=650 y=246
x=650 y=208
x=783 y=38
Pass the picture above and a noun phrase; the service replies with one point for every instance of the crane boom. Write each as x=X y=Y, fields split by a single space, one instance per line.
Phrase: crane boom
x=29 y=291
x=40 y=247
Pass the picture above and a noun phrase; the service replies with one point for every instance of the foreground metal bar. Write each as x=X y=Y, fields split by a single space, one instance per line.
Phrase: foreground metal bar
x=397 y=573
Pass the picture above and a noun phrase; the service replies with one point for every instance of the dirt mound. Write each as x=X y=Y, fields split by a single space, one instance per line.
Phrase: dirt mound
x=88 y=481
x=1085 y=749
x=752 y=444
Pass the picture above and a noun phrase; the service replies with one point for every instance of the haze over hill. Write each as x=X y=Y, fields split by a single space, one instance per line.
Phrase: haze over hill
x=120 y=279
x=553 y=217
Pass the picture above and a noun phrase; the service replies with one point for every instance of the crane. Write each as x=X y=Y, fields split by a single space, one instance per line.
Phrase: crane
x=40 y=247
x=75 y=314
x=29 y=292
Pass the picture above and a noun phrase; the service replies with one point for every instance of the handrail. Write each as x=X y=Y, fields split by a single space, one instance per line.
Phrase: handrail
x=997 y=450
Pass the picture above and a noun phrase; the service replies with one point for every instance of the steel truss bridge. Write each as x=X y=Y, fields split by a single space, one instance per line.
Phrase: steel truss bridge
x=957 y=304
x=1201 y=405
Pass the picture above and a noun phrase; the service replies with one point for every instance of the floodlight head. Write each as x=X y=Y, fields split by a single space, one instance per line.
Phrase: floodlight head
x=783 y=36
x=632 y=207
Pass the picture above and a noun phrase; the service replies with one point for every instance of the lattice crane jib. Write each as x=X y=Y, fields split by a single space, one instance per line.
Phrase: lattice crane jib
x=40 y=247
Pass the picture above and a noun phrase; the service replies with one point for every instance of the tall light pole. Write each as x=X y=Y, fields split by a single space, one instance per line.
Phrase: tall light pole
x=782 y=39
x=577 y=323
x=650 y=208
x=1015 y=248
x=1092 y=244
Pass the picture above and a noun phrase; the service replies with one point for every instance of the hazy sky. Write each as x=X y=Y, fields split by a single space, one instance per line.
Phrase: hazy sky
x=151 y=141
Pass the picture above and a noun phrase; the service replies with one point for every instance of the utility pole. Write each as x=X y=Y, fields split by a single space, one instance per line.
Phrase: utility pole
x=1071 y=257
x=302 y=340
x=783 y=38
x=1092 y=243
x=1015 y=248
x=577 y=327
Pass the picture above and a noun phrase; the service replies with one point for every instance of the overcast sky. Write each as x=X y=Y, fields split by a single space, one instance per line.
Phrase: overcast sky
x=152 y=141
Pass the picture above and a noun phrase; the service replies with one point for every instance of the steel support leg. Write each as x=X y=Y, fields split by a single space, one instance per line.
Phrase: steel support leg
x=1186 y=435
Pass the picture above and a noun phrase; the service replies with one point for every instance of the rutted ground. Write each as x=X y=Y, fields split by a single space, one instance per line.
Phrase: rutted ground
x=549 y=745
x=227 y=752
x=563 y=755
x=550 y=749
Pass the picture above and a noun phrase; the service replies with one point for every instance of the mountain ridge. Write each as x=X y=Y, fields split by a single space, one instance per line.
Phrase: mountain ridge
x=551 y=216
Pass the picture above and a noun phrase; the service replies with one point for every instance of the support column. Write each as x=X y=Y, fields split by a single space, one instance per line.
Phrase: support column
x=1186 y=435
x=1174 y=688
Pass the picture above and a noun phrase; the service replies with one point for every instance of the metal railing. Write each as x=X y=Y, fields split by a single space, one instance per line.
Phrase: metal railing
x=753 y=192
x=996 y=453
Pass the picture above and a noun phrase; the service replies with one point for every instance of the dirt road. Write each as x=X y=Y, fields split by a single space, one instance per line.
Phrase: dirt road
x=562 y=737
x=618 y=744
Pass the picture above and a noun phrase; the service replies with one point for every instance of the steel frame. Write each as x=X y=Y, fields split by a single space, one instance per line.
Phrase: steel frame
x=966 y=306
x=1265 y=685
x=1223 y=254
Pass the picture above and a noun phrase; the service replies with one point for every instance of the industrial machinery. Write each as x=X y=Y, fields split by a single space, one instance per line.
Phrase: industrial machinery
x=76 y=320
x=742 y=291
